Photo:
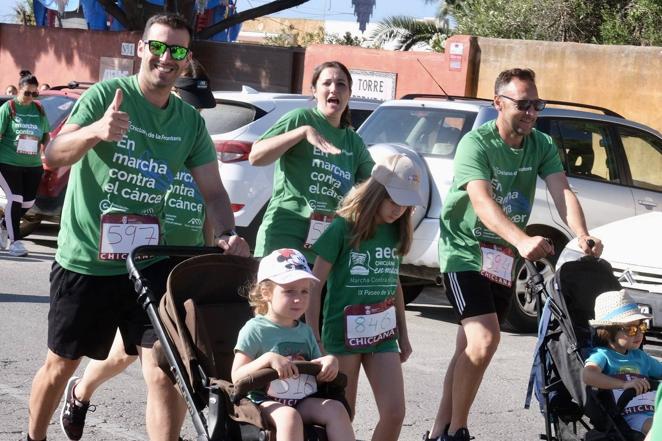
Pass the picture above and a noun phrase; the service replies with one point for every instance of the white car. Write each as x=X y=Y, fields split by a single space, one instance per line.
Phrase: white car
x=613 y=165
x=633 y=248
x=237 y=121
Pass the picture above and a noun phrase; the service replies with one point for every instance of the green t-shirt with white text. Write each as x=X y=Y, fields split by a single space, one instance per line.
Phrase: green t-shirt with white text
x=184 y=212
x=483 y=155
x=22 y=135
x=129 y=177
x=364 y=276
x=307 y=179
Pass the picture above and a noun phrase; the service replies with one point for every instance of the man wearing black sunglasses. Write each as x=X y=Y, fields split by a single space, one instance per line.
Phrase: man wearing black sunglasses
x=482 y=234
x=126 y=139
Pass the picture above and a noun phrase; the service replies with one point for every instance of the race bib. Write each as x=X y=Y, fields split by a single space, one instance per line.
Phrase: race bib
x=27 y=145
x=121 y=233
x=368 y=325
x=319 y=222
x=643 y=404
x=497 y=263
x=291 y=390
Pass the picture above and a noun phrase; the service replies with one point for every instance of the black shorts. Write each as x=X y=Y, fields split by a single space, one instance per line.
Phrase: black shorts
x=86 y=311
x=471 y=295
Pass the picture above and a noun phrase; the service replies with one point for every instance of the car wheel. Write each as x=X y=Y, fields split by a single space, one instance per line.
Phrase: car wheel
x=522 y=314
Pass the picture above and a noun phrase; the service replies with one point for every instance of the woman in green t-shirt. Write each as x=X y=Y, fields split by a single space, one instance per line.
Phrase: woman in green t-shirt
x=364 y=310
x=318 y=159
x=23 y=132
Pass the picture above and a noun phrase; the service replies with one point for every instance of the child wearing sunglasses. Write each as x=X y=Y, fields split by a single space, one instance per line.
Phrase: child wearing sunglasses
x=619 y=364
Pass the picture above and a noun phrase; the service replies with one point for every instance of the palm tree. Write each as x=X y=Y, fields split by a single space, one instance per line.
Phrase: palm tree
x=24 y=12
x=406 y=32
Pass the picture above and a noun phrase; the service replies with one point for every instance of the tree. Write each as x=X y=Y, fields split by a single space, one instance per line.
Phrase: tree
x=25 y=13
x=289 y=36
x=407 y=32
x=634 y=22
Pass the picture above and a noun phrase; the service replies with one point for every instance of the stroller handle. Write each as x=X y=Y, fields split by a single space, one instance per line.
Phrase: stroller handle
x=164 y=250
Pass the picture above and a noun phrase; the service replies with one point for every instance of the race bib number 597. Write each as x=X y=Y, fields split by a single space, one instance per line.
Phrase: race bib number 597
x=121 y=233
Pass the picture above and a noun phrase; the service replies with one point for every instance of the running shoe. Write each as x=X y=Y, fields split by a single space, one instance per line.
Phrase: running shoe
x=17 y=249
x=72 y=419
x=4 y=237
x=461 y=434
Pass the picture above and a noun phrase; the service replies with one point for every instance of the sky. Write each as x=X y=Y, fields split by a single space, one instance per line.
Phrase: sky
x=313 y=9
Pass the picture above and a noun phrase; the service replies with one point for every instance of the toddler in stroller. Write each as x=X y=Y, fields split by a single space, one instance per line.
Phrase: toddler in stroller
x=276 y=337
x=618 y=363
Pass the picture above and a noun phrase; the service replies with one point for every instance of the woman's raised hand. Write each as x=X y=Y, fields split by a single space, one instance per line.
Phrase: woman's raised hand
x=317 y=140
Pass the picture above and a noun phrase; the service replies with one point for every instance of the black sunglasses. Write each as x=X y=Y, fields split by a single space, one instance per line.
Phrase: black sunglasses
x=34 y=94
x=524 y=105
x=158 y=48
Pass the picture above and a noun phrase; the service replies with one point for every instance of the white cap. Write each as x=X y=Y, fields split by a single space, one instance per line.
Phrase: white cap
x=284 y=266
x=402 y=179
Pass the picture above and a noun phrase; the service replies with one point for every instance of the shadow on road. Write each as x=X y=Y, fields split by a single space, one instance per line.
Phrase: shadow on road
x=32 y=257
x=434 y=312
x=22 y=298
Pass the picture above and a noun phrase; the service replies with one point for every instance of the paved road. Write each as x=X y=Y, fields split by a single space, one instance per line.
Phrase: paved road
x=497 y=415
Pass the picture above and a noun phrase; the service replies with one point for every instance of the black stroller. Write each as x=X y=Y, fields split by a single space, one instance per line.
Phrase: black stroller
x=197 y=323
x=572 y=411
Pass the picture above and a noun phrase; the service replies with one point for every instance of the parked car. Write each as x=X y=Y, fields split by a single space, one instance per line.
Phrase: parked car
x=237 y=121
x=613 y=166
x=632 y=247
x=57 y=103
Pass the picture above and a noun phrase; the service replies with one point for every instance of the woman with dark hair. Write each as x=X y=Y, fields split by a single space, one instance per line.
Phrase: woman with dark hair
x=23 y=133
x=318 y=159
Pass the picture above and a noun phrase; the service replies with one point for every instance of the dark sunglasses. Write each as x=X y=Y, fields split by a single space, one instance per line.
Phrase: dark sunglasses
x=158 y=48
x=632 y=330
x=34 y=94
x=524 y=105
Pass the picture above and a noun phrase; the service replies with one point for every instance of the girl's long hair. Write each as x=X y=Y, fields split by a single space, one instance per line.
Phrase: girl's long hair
x=258 y=296
x=360 y=208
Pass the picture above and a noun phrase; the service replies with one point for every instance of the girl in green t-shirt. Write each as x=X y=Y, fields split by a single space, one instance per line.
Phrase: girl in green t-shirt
x=364 y=319
x=275 y=338
x=23 y=132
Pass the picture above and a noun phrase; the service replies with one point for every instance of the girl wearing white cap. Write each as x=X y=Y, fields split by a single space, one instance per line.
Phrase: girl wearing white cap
x=364 y=319
x=276 y=337
x=620 y=364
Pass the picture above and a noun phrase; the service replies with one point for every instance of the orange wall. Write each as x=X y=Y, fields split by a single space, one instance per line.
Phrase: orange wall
x=412 y=77
x=57 y=56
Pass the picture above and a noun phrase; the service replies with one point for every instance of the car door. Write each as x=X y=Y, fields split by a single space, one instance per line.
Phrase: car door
x=643 y=152
x=589 y=150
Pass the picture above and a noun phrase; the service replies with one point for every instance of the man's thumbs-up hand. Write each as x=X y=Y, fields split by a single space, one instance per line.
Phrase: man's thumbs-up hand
x=114 y=124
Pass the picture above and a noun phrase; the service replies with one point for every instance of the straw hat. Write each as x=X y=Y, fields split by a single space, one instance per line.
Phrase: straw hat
x=616 y=308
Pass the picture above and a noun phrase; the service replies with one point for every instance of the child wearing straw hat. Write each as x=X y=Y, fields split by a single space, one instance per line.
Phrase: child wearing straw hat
x=619 y=364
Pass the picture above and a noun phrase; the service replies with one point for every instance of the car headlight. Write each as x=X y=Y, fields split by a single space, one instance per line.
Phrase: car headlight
x=568 y=255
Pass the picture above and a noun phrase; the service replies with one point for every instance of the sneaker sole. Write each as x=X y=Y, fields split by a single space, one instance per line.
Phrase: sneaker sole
x=67 y=392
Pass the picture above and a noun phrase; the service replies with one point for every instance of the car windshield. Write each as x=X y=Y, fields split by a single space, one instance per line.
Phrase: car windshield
x=428 y=131
x=57 y=108
x=228 y=116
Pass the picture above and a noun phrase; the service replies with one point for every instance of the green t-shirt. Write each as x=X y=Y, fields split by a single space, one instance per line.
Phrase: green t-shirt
x=483 y=155
x=260 y=335
x=129 y=177
x=364 y=276
x=656 y=429
x=22 y=135
x=307 y=179
x=184 y=212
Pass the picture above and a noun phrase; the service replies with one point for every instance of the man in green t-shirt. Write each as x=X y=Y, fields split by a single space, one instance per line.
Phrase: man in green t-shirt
x=126 y=139
x=482 y=233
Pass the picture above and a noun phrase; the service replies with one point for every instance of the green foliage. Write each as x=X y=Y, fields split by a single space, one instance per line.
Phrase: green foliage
x=290 y=36
x=406 y=32
x=634 y=22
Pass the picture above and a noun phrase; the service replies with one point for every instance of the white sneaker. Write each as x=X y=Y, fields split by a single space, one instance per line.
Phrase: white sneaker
x=17 y=249
x=4 y=238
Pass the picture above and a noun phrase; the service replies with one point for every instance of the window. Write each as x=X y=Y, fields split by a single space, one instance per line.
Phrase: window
x=228 y=116
x=427 y=131
x=586 y=149
x=644 y=155
x=56 y=108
